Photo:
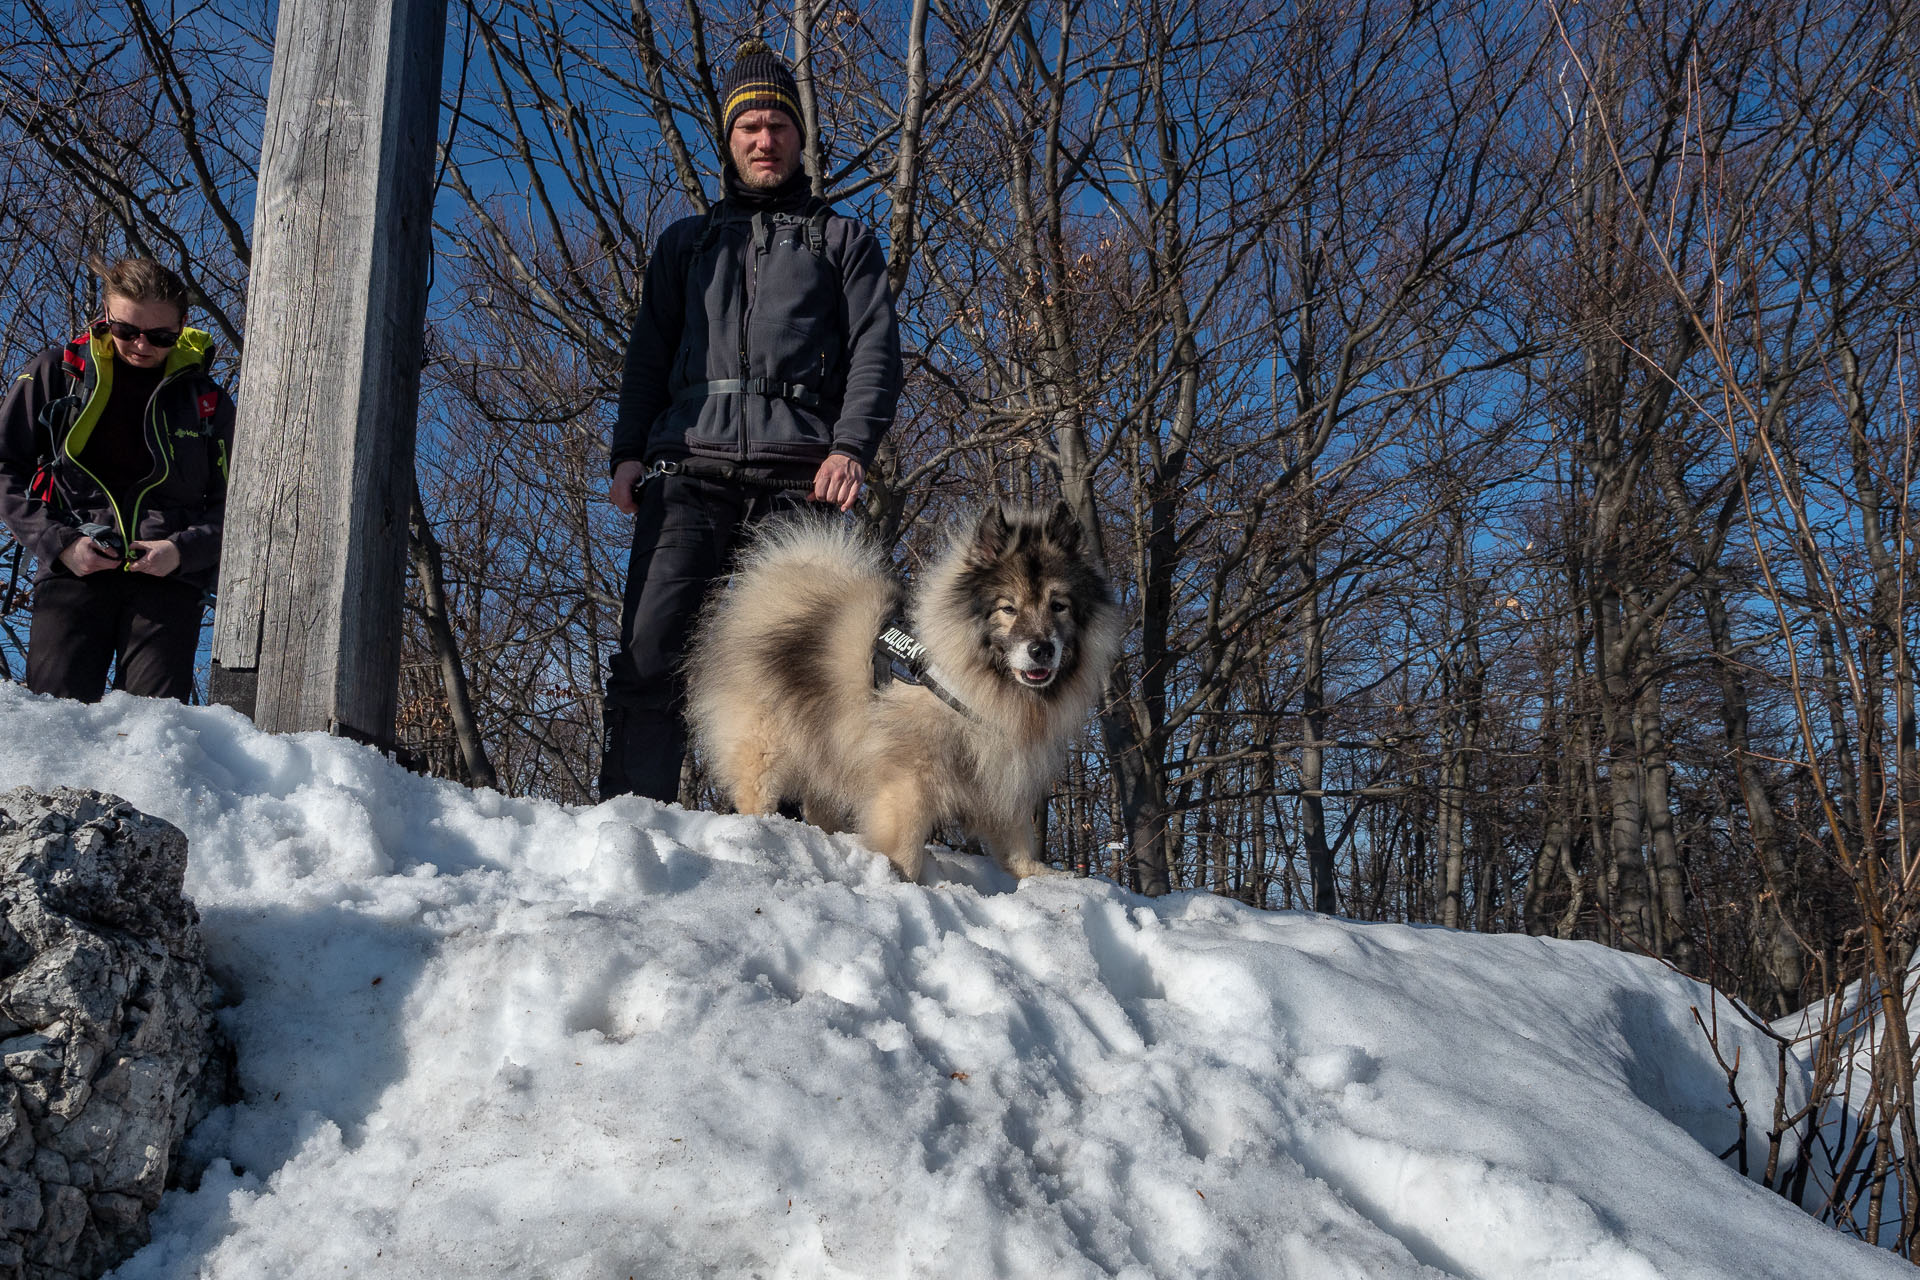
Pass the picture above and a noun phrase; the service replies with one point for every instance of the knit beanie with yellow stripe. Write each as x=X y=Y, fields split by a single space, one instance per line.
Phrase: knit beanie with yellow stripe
x=759 y=79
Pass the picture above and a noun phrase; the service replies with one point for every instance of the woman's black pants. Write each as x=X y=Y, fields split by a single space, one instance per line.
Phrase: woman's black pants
x=146 y=628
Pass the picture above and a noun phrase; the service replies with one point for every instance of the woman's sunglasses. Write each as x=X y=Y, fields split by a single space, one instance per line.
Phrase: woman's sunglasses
x=127 y=332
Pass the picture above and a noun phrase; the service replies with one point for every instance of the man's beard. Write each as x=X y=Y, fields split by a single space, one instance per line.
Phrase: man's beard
x=764 y=181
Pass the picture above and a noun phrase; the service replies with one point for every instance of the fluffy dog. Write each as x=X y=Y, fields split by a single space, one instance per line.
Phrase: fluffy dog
x=1017 y=625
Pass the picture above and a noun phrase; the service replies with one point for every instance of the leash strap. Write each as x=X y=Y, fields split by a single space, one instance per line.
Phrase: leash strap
x=11 y=597
x=898 y=656
x=719 y=469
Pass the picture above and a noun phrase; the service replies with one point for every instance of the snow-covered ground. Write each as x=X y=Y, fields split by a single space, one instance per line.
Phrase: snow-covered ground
x=491 y=1037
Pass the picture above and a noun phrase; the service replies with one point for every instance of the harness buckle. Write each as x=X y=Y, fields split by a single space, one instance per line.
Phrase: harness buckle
x=664 y=467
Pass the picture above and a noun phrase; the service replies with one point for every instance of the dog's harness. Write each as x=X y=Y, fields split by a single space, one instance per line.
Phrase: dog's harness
x=898 y=656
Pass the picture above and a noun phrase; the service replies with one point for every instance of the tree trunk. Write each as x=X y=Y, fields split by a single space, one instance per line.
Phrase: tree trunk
x=1554 y=797
x=1142 y=810
x=314 y=564
x=1464 y=685
x=424 y=550
x=1632 y=898
x=1669 y=879
x=1313 y=724
x=1453 y=829
x=1784 y=959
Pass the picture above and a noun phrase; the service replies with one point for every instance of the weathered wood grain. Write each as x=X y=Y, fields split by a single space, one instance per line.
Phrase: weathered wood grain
x=307 y=632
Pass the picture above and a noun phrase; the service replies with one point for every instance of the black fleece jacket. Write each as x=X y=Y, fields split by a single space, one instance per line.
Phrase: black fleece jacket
x=742 y=294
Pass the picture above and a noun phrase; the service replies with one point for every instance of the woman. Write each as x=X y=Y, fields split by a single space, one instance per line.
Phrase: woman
x=113 y=474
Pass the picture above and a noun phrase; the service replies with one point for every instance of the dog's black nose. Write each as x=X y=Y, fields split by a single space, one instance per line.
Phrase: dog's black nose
x=1040 y=651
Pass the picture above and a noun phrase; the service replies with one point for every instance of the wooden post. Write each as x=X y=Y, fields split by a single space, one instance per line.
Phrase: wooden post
x=307 y=630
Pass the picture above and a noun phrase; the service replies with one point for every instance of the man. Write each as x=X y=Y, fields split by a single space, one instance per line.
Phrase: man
x=113 y=475
x=763 y=370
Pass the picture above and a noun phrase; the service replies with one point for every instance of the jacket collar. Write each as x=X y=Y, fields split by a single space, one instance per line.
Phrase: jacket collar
x=194 y=350
x=791 y=196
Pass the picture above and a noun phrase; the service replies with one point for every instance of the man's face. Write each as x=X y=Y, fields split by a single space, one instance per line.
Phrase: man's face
x=766 y=148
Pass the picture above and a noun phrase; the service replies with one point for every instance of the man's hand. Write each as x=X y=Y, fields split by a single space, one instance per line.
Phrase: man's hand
x=157 y=558
x=83 y=558
x=838 y=481
x=625 y=477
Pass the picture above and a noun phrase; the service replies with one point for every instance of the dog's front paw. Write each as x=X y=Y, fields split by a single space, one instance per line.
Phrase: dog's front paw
x=1026 y=868
x=910 y=863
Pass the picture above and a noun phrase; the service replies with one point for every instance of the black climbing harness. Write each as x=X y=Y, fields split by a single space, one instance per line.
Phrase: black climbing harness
x=771 y=388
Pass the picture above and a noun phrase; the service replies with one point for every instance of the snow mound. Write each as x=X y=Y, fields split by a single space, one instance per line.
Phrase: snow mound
x=483 y=1036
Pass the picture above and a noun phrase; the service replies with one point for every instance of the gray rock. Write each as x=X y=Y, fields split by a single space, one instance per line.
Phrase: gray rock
x=109 y=1051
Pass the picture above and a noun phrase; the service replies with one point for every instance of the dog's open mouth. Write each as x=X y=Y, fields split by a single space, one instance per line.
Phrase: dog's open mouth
x=1036 y=677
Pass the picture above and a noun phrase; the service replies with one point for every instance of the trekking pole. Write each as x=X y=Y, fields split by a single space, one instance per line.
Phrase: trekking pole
x=13 y=598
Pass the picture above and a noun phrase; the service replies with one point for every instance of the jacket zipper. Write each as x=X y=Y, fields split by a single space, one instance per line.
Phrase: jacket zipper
x=162 y=451
x=103 y=386
x=103 y=391
x=748 y=294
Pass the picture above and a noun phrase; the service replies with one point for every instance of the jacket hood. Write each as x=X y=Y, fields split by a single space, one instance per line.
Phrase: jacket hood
x=195 y=347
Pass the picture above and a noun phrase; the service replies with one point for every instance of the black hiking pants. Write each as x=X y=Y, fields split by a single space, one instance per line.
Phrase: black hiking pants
x=147 y=629
x=684 y=537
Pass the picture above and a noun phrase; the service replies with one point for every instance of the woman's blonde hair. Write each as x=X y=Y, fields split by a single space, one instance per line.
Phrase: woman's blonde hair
x=141 y=280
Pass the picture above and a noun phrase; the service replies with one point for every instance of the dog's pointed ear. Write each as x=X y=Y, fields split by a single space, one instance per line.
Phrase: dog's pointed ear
x=990 y=537
x=1063 y=527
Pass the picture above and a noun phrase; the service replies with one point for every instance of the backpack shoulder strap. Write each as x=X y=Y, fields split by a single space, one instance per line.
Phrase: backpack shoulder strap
x=56 y=418
x=710 y=230
x=709 y=234
x=73 y=356
x=818 y=213
x=66 y=398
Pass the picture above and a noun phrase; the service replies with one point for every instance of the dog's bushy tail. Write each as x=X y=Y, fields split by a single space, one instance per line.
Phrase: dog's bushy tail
x=793 y=634
x=814 y=548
